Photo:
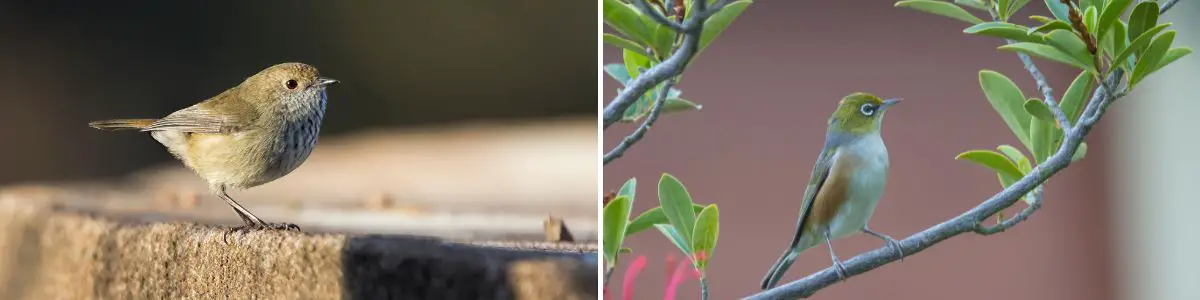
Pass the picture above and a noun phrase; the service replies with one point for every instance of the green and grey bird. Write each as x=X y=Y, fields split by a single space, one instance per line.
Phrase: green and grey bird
x=846 y=183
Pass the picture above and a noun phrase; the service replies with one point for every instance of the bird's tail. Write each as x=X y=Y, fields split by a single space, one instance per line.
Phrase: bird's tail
x=121 y=124
x=780 y=267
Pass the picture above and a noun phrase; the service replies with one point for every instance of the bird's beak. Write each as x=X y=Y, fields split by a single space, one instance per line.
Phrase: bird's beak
x=890 y=102
x=323 y=81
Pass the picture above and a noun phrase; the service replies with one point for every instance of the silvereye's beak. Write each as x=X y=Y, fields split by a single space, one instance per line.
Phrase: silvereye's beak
x=323 y=81
x=889 y=102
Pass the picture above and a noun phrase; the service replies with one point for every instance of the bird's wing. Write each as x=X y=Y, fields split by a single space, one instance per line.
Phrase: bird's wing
x=208 y=117
x=820 y=173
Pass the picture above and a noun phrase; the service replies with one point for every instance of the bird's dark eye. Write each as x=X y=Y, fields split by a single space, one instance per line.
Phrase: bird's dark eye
x=867 y=109
x=291 y=84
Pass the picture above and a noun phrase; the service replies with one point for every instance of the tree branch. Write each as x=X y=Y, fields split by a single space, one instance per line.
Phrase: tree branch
x=657 y=16
x=670 y=68
x=970 y=220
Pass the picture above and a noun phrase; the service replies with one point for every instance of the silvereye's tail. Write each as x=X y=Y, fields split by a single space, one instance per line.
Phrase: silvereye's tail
x=780 y=267
x=121 y=124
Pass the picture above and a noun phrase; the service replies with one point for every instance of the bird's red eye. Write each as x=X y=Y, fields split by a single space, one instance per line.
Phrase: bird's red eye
x=291 y=84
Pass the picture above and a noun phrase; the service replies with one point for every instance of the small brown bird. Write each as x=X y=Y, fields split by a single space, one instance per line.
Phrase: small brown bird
x=251 y=134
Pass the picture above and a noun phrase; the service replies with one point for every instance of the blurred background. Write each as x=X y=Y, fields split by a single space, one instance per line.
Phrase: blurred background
x=450 y=115
x=1117 y=225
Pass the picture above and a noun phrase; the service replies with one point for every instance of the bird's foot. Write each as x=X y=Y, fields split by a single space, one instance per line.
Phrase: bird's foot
x=252 y=226
x=840 y=268
x=895 y=245
x=891 y=243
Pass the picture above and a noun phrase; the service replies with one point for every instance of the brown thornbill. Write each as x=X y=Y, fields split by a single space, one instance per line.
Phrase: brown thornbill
x=251 y=134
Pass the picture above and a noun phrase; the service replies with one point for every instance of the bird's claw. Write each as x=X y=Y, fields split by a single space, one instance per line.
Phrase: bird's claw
x=895 y=245
x=251 y=226
x=840 y=268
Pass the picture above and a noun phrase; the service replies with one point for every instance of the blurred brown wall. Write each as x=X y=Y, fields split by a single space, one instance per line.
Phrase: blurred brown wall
x=769 y=82
x=401 y=63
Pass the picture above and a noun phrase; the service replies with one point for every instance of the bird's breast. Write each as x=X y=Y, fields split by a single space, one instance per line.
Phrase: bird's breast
x=865 y=186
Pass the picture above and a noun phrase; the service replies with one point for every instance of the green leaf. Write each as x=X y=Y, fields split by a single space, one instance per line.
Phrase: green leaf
x=1089 y=19
x=1004 y=30
x=1112 y=13
x=1143 y=17
x=1068 y=42
x=1171 y=56
x=677 y=205
x=635 y=62
x=618 y=73
x=625 y=250
x=976 y=4
x=678 y=105
x=628 y=189
x=1042 y=134
x=623 y=43
x=1076 y=95
x=1041 y=19
x=1051 y=26
x=945 y=9
x=1008 y=101
x=1036 y=108
x=627 y=20
x=1139 y=44
x=616 y=216
x=651 y=217
x=719 y=21
x=1148 y=61
x=992 y=160
x=1080 y=152
x=1016 y=6
x=675 y=237
x=662 y=38
x=1060 y=10
x=1002 y=8
x=1114 y=41
x=1017 y=157
x=1044 y=52
x=641 y=107
x=704 y=240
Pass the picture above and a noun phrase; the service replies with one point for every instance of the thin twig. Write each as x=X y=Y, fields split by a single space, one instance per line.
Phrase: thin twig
x=1044 y=87
x=660 y=100
x=970 y=220
x=1033 y=206
x=1166 y=6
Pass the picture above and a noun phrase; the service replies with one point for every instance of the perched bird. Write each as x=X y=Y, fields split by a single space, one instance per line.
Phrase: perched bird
x=251 y=134
x=846 y=183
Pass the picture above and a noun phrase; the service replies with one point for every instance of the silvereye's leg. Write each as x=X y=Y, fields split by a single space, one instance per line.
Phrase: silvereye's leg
x=891 y=243
x=837 y=263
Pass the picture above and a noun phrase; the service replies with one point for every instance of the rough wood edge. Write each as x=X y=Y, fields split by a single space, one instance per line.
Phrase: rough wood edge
x=48 y=252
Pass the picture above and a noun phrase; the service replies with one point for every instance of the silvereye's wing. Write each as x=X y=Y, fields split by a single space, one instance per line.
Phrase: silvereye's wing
x=820 y=172
x=211 y=116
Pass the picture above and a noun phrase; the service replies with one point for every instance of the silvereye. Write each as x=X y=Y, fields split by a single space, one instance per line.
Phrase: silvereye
x=846 y=183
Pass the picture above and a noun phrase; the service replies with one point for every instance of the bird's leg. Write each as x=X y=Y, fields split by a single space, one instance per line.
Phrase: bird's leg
x=891 y=243
x=252 y=222
x=837 y=263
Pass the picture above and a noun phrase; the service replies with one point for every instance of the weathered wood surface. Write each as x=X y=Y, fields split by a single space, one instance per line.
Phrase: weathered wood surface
x=482 y=197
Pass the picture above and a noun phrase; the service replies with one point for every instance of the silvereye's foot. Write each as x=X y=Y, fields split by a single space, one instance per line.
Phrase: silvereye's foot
x=891 y=243
x=841 y=269
x=837 y=263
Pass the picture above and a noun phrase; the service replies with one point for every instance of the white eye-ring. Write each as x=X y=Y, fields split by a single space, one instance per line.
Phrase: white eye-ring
x=867 y=109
